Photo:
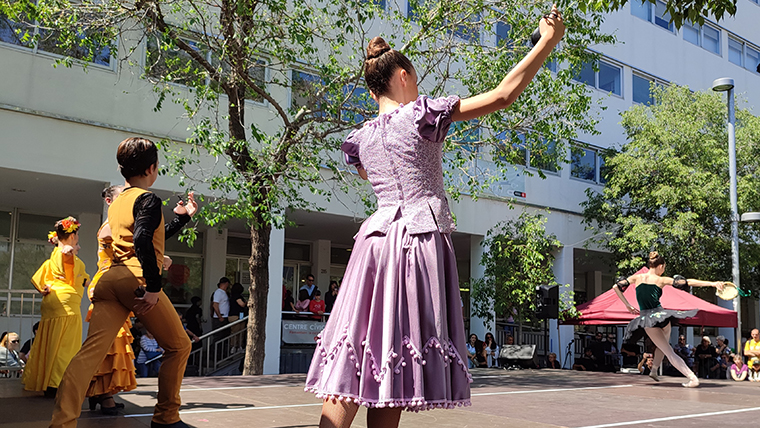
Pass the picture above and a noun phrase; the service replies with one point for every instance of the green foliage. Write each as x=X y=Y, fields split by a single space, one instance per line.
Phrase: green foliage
x=680 y=11
x=519 y=257
x=667 y=188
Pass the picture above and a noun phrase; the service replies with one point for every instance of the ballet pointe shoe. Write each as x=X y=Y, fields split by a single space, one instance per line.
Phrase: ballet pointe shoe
x=653 y=374
x=692 y=383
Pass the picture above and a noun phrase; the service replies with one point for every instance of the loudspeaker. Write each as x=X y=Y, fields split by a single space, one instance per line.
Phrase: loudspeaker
x=518 y=355
x=547 y=302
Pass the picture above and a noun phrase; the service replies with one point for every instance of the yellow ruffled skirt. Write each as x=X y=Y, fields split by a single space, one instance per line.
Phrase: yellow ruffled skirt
x=117 y=371
x=58 y=340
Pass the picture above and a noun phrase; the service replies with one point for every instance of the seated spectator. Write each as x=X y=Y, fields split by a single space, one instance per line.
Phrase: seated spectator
x=303 y=301
x=551 y=361
x=194 y=316
x=317 y=305
x=720 y=368
x=646 y=363
x=685 y=351
x=586 y=363
x=705 y=356
x=510 y=340
x=722 y=345
x=631 y=352
x=149 y=350
x=8 y=353
x=596 y=344
x=491 y=351
x=475 y=352
x=24 y=352
x=754 y=373
x=739 y=370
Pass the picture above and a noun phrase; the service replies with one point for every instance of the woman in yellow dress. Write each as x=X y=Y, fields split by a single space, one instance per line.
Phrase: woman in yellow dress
x=117 y=371
x=61 y=280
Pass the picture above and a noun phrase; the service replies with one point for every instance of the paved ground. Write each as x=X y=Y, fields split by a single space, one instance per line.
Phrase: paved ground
x=525 y=399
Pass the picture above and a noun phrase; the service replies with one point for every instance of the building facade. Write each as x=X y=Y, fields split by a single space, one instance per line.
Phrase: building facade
x=61 y=127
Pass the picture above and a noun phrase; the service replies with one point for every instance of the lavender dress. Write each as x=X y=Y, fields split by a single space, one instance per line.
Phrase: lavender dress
x=396 y=334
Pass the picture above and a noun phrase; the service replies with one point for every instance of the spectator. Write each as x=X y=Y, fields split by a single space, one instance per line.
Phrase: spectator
x=194 y=316
x=685 y=351
x=190 y=334
x=586 y=363
x=722 y=345
x=705 y=356
x=631 y=352
x=739 y=370
x=310 y=287
x=754 y=373
x=332 y=294
x=24 y=352
x=491 y=351
x=303 y=301
x=611 y=354
x=317 y=305
x=510 y=340
x=551 y=361
x=149 y=351
x=287 y=300
x=752 y=350
x=8 y=352
x=220 y=304
x=475 y=352
x=238 y=310
x=645 y=365
x=596 y=344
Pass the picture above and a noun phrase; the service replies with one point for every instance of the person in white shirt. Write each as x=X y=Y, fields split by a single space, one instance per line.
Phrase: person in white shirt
x=221 y=304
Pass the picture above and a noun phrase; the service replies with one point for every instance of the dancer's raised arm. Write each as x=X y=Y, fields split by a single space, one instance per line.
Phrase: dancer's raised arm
x=666 y=280
x=552 y=29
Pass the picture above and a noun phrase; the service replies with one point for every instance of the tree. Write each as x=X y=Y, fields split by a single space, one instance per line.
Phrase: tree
x=679 y=11
x=226 y=53
x=519 y=257
x=667 y=188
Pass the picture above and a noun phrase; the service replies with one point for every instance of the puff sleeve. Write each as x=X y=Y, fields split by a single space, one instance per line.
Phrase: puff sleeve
x=350 y=149
x=433 y=116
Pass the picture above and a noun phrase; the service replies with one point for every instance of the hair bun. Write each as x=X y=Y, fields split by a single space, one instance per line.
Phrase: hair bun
x=377 y=46
x=653 y=255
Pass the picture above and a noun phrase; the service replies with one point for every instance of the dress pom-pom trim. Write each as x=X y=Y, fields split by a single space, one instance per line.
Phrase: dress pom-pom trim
x=412 y=405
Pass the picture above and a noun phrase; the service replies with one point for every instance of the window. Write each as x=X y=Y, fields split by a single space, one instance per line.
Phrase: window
x=583 y=163
x=303 y=89
x=752 y=58
x=654 y=13
x=735 y=51
x=641 y=90
x=22 y=34
x=184 y=279
x=545 y=158
x=357 y=104
x=704 y=36
x=467 y=134
x=502 y=33
x=165 y=60
x=603 y=169
x=609 y=78
x=257 y=71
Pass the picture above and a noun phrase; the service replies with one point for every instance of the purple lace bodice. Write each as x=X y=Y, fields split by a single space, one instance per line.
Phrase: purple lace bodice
x=402 y=153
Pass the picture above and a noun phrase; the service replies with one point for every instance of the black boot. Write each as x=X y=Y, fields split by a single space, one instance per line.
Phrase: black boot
x=50 y=392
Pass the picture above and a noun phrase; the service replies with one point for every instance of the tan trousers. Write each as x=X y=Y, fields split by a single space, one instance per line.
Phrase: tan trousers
x=113 y=300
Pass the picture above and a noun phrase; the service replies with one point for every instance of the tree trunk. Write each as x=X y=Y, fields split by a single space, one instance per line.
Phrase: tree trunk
x=257 y=302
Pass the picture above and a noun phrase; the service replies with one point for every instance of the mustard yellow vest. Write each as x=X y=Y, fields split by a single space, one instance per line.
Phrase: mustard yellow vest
x=122 y=221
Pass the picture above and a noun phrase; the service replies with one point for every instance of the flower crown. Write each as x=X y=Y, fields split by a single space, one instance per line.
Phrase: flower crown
x=70 y=224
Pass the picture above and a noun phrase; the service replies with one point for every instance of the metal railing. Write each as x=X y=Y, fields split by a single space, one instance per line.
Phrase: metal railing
x=528 y=337
x=216 y=346
x=324 y=316
x=19 y=309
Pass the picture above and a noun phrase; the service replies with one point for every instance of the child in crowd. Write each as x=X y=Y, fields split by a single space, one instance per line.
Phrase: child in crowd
x=754 y=372
x=317 y=305
x=739 y=369
x=150 y=350
x=303 y=301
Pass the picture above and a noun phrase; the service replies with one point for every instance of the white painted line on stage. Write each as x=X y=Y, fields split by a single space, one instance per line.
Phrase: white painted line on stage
x=190 y=412
x=217 y=389
x=187 y=412
x=549 y=390
x=675 y=418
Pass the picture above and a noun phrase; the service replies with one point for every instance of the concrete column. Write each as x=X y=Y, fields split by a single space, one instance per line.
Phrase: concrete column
x=727 y=331
x=274 y=302
x=88 y=253
x=214 y=266
x=479 y=326
x=690 y=336
x=321 y=264
x=559 y=338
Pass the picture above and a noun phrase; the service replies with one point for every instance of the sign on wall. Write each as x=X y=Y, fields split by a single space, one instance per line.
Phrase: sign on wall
x=301 y=331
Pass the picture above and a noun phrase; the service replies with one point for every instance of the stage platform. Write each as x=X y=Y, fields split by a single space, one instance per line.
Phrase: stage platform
x=524 y=399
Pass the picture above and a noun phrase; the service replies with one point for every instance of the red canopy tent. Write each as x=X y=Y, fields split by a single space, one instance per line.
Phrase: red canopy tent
x=607 y=309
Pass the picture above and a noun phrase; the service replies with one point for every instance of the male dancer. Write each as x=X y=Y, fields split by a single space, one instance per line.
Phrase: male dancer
x=133 y=283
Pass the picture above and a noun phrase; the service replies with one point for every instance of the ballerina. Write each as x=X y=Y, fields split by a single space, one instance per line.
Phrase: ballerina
x=655 y=320
x=395 y=339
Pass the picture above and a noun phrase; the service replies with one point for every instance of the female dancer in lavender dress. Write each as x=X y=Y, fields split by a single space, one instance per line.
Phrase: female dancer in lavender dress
x=395 y=339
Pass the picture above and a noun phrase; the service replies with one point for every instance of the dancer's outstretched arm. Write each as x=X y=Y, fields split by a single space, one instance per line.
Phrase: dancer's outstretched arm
x=694 y=282
x=552 y=29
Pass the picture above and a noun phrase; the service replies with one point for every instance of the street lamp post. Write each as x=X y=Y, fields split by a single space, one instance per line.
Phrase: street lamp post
x=726 y=84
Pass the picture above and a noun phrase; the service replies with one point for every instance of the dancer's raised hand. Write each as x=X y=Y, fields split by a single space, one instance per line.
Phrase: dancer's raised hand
x=190 y=208
x=720 y=285
x=552 y=26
